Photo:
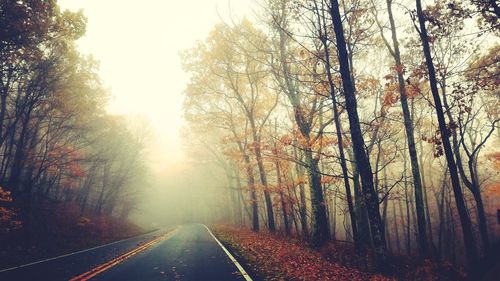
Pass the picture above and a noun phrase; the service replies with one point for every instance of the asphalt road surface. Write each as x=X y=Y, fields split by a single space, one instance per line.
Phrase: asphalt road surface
x=189 y=252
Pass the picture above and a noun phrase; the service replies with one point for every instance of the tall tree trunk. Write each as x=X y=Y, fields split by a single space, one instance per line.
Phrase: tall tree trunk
x=396 y=226
x=408 y=124
x=470 y=247
x=320 y=232
x=19 y=155
x=363 y=225
x=472 y=184
x=282 y=199
x=338 y=129
x=362 y=161
x=481 y=216
x=263 y=181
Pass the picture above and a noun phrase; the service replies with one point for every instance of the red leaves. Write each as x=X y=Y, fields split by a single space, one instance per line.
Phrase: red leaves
x=280 y=259
x=400 y=69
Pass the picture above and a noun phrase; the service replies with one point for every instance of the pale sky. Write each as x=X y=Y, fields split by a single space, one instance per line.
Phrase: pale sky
x=138 y=45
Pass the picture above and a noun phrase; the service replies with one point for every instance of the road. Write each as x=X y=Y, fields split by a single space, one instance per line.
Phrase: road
x=189 y=252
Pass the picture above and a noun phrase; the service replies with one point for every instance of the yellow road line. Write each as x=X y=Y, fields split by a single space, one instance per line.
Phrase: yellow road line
x=103 y=267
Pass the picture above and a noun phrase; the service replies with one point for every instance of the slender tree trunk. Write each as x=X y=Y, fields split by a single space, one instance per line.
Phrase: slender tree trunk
x=263 y=178
x=3 y=109
x=476 y=192
x=19 y=155
x=408 y=124
x=396 y=226
x=340 y=146
x=282 y=199
x=302 y=195
x=362 y=161
x=472 y=184
x=470 y=247
x=241 y=199
x=334 y=215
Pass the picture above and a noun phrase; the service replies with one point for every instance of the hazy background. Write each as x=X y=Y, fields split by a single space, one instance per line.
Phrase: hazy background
x=138 y=45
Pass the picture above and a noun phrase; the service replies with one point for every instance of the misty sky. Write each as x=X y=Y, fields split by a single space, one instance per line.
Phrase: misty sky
x=138 y=45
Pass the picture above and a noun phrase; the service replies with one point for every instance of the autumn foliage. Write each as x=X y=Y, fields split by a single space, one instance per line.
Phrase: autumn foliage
x=287 y=259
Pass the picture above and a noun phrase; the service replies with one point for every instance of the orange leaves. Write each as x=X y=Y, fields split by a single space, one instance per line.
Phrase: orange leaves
x=392 y=91
x=65 y=160
x=286 y=139
x=494 y=157
x=5 y=195
x=8 y=215
x=7 y=220
x=322 y=88
x=280 y=259
x=492 y=189
x=412 y=91
x=390 y=98
x=329 y=179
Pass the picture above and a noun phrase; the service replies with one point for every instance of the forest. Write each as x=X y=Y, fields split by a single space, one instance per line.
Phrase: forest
x=362 y=121
x=61 y=153
x=325 y=140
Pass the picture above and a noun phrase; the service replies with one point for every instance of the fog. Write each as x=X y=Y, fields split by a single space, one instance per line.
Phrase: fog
x=304 y=119
x=138 y=48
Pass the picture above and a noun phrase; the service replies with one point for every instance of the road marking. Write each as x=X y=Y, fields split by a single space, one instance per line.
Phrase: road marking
x=105 y=266
x=238 y=265
x=70 y=254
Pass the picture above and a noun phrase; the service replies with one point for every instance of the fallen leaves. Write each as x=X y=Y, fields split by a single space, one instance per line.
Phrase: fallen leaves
x=277 y=258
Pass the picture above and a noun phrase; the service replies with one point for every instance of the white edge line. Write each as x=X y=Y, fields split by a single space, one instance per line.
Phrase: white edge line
x=238 y=265
x=70 y=254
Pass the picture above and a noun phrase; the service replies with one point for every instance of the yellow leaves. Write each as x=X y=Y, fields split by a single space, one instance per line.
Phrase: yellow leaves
x=322 y=141
x=233 y=154
x=301 y=180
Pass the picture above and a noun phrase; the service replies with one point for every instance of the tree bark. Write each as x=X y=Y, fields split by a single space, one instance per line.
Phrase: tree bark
x=362 y=161
x=338 y=129
x=408 y=124
x=470 y=247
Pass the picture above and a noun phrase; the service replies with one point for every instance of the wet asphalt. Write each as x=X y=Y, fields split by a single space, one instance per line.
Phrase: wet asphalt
x=188 y=253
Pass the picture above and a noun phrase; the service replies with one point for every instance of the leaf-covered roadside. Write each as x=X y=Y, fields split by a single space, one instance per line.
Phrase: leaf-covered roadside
x=275 y=258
